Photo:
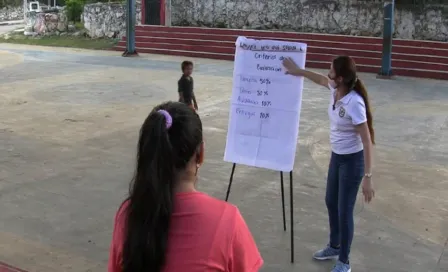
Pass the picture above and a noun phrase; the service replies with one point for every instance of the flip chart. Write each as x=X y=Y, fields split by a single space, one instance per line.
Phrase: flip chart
x=265 y=105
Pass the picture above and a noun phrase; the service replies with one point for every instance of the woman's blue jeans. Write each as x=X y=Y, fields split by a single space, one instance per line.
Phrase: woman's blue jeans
x=344 y=177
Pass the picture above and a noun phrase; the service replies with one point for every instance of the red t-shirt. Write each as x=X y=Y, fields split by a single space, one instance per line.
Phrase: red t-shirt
x=206 y=234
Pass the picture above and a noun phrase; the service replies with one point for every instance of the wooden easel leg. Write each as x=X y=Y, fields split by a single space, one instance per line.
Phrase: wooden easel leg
x=291 y=199
x=283 y=200
x=230 y=181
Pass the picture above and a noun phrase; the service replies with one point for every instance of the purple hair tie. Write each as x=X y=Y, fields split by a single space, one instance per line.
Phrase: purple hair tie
x=168 y=118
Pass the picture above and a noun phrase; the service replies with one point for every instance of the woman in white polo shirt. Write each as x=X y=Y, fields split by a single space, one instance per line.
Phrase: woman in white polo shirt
x=351 y=137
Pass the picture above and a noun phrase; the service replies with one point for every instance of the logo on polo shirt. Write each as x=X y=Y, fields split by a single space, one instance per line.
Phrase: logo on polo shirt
x=341 y=112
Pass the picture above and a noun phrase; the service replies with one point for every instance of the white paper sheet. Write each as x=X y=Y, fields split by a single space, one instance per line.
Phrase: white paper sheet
x=265 y=105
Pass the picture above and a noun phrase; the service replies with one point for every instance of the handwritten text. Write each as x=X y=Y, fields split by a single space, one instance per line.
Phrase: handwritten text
x=246 y=113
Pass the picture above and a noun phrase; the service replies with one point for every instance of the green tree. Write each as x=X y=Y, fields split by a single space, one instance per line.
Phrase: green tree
x=74 y=10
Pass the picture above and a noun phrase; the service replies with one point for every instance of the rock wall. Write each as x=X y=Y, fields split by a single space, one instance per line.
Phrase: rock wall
x=107 y=19
x=46 y=23
x=320 y=16
x=11 y=14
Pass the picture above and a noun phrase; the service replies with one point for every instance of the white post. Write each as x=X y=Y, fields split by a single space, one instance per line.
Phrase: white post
x=167 y=12
x=25 y=9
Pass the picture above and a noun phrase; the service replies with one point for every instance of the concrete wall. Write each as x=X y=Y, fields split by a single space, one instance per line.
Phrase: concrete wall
x=320 y=16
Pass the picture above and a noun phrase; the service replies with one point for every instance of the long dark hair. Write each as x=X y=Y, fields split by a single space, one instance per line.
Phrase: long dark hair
x=345 y=67
x=162 y=154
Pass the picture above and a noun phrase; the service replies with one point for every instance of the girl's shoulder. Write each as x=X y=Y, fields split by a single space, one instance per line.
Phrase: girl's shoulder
x=356 y=98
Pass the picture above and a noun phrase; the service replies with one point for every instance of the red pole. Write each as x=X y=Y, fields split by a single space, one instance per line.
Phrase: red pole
x=162 y=12
x=143 y=11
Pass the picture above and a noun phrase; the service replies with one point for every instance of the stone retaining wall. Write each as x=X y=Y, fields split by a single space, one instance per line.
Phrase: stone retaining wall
x=107 y=19
x=323 y=16
x=46 y=23
x=11 y=14
x=319 y=16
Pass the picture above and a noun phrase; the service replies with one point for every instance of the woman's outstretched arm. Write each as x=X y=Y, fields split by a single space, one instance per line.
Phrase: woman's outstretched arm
x=293 y=69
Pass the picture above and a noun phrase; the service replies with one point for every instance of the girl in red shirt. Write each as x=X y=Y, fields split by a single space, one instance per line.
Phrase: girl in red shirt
x=166 y=224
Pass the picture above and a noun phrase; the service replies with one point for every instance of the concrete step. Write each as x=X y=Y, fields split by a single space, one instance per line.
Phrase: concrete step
x=318 y=47
x=325 y=57
x=229 y=40
x=310 y=63
x=410 y=58
x=292 y=35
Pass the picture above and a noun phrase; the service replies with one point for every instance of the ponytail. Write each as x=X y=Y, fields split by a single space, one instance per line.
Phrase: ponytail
x=362 y=91
x=345 y=67
x=150 y=199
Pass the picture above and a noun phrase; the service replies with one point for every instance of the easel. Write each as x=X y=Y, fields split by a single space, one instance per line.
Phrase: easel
x=291 y=199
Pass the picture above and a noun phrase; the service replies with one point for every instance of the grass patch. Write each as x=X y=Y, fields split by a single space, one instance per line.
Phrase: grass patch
x=79 y=25
x=62 y=41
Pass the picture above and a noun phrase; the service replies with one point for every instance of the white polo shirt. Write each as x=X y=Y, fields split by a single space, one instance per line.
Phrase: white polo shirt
x=349 y=112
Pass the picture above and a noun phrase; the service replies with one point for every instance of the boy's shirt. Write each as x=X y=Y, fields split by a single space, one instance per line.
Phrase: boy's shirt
x=185 y=89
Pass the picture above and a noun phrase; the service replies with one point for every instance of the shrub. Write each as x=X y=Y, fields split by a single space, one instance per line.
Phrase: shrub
x=74 y=10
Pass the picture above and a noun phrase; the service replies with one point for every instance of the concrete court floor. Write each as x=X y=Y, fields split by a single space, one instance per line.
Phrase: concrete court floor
x=68 y=132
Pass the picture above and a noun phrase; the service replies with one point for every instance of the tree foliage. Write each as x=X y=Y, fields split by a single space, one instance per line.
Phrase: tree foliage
x=73 y=9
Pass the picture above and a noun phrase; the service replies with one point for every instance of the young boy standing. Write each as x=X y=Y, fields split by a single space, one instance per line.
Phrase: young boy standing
x=185 y=85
